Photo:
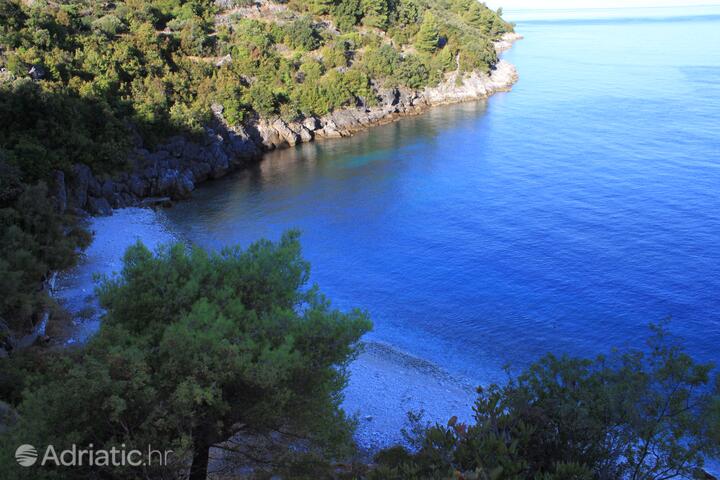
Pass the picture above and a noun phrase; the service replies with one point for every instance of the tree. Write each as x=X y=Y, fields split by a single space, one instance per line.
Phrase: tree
x=428 y=37
x=644 y=415
x=347 y=13
x=301 y=34
x=412 y=72
x=375 y=13
x=196 y=349
x=34 y=240
x=321 y=7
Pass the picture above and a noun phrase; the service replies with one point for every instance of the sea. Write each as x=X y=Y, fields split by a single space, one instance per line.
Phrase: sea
x=564 y=216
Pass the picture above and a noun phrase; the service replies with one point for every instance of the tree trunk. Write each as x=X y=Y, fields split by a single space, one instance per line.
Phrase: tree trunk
x=201 y=456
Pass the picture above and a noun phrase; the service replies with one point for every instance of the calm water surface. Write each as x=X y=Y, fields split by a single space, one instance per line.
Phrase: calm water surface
x=563 y=216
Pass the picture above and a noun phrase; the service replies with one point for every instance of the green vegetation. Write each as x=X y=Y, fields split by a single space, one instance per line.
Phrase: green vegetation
x=649 y=414
x=428 y=37
x=156 y=65
x=231 y=351
x=81 y=79
x=194 y=349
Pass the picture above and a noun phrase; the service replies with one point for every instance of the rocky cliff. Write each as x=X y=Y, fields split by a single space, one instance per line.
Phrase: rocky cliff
x=172 y=170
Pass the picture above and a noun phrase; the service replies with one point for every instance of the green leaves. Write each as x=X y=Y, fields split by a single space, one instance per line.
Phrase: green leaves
x=645 y=414
x=193 y=345
x=428 y=37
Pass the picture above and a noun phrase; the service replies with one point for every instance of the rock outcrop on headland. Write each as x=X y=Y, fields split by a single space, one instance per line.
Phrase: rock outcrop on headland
x=173 y=169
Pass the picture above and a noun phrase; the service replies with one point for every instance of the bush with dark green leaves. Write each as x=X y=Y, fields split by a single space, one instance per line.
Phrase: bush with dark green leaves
x=647 y=414
x=301 y=34
x=34 y=241
x=197 y=350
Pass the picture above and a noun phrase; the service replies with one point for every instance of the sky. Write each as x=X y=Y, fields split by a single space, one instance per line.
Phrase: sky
x=558 y=4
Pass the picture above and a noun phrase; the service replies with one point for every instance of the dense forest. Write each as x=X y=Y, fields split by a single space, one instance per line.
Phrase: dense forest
x=81 y=80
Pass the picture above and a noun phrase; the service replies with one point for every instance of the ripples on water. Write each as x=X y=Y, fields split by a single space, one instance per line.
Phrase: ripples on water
x=563 y=216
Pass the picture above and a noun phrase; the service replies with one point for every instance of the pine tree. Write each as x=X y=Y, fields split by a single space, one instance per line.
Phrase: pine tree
x=428 y=37
x=195 y=348
x=321 y=7
x=375 y=13
x=474 y=15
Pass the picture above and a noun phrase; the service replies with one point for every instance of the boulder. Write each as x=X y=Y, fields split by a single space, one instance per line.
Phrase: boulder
x=128 y=199
x=302 y=133
x=78 y=185
x=59 y=191
x=99 y=206
x=329 y=130
x=37 y=72
x=192 y=152
x=220 y=162
x=240 y=143
x=201 y=171
x=290 y=137
x=108 y=189
x=175 y=146
x=117 y=201
x=174 y=184
x=94 y=187
x=185 y=184
x=345 y=121
x=138 y=186
x=311 y=123
x=167 y=182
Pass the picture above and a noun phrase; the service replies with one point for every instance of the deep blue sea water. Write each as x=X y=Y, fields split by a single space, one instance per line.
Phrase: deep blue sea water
x=563 y=216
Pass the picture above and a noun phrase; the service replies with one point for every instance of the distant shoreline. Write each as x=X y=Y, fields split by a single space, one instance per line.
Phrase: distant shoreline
x=385 y=383
x=172 y=170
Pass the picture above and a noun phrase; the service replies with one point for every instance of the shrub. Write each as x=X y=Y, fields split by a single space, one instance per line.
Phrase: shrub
x=196 y=348
x=648 y=414
x=301 y=34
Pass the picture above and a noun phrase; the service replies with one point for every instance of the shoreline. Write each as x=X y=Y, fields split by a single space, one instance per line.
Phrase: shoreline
x=385 y=382
x=172 y=170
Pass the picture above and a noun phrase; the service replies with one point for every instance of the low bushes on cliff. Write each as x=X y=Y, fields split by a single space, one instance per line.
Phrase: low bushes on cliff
x=34 y=240
x=162 y=64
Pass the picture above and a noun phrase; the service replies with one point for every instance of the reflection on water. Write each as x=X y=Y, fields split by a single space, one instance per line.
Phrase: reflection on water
x=563 y=216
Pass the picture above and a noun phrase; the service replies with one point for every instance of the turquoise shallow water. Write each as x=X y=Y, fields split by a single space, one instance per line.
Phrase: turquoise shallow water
x=562 y=216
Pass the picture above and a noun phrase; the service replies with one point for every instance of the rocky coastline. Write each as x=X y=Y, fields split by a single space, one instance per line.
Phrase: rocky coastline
x=172 y=170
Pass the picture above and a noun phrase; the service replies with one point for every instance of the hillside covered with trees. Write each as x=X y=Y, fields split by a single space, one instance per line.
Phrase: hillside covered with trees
x=81 y=81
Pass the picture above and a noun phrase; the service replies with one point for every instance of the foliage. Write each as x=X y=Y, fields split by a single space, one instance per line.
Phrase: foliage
x=301 y=34
x=194 y=349
x=46 y=130
x=347 y=13
x=151 y=63
x=428 y=37
x=83 y=81
x=646 y=414
x=375 y=13
x=34 y=240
